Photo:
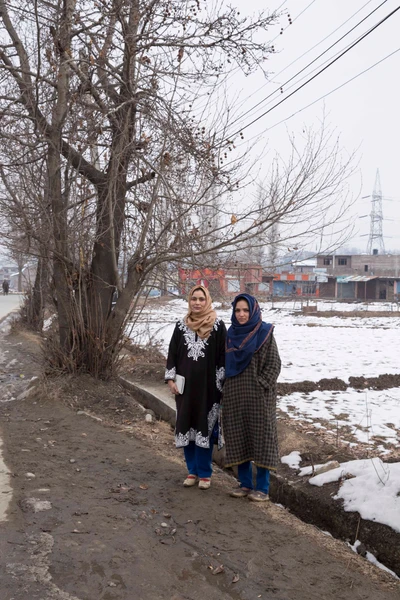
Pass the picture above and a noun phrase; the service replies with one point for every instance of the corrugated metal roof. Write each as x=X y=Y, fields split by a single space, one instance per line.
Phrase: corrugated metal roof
x=351 y=278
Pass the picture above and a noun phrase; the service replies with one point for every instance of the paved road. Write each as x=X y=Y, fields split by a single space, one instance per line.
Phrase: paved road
x=9 y=303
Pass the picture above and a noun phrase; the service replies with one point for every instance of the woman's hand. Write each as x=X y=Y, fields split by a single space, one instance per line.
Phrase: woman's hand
x=173 y=388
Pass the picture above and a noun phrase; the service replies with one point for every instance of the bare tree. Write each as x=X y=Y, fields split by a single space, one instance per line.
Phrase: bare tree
x=116 y=100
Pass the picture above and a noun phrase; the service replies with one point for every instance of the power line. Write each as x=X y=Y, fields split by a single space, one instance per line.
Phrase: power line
x=309 y=73
x=313 y=61
x=238 y=68
x=388 y=16
x=317 y=44
x=325 y=96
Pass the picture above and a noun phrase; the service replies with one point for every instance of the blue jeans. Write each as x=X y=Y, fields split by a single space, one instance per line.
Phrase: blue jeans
x=198 y=460
x=245 y=475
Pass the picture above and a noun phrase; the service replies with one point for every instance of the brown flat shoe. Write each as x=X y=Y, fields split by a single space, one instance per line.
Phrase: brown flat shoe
x=240 y=492
x=258 y=496
x=190 y=481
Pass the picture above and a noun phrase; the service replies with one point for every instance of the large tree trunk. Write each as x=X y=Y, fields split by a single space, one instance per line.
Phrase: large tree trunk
x=60 y=258
x=36 y=301
x=20 y=262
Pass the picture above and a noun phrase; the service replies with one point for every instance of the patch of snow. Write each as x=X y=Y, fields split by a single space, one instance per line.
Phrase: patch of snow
x=373 y=559
x=293 y=459
x=367 y=414
x=37 y=505
x=369 y=487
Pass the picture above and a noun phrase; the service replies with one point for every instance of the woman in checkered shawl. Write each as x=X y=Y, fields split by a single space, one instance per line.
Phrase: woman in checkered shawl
x=249 y=398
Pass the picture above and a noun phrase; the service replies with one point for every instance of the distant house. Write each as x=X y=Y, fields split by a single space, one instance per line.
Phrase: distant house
x=360 y=276
x=361 y=287
x=307 y=265
x=295 y=284
x=385 y=265
x=229 y=281
x=331 y=278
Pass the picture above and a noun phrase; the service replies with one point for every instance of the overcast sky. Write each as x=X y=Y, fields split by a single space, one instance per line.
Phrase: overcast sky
x=365 y=112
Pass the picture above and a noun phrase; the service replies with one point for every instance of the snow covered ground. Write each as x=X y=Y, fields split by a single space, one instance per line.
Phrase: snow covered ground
x=311 y=347
x=371 y=417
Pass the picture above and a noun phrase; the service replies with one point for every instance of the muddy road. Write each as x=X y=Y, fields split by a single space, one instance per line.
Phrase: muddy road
x=100 y=514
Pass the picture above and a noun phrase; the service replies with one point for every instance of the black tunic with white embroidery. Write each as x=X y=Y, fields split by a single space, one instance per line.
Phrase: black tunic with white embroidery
x=202 y=363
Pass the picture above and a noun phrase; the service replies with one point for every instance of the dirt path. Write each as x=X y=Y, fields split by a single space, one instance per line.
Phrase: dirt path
x=103 y=537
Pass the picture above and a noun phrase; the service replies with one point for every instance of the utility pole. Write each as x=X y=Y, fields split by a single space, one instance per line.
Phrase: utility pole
x=375 y=240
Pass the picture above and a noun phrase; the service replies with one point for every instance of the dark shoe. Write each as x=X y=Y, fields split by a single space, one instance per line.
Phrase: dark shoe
x=190 y=480
x=258 y=496
x=240 y=492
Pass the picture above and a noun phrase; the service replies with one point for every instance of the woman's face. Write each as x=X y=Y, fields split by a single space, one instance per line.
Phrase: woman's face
x=197 y=301
x=242 y=311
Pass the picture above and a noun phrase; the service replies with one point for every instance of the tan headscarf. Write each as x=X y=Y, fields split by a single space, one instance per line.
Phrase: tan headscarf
x=201 y=323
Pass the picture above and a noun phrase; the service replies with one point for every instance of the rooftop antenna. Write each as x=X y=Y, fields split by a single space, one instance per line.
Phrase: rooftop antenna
x=375 y=240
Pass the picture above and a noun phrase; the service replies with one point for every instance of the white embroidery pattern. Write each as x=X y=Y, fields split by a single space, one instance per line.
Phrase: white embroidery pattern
x=183 y=439
x=170 y=373
x=195 y=347
x=212 y=417
x=221 y=439
x=219 y=378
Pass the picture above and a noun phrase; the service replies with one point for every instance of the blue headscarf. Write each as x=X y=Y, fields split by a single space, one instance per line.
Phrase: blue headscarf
x=243 y=340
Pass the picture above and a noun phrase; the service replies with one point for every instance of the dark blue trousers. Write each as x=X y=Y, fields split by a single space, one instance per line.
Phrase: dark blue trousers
x=198 y=460
x=245 y=476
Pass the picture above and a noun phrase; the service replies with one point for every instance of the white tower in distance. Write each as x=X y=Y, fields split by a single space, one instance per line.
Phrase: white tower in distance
x=375 y=240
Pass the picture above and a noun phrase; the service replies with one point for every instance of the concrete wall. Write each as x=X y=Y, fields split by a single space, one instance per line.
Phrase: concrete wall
x=327 y=289
x=385 y=265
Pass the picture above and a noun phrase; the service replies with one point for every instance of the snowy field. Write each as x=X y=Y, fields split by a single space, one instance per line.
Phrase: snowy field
x=367 y=417
x=311 y=348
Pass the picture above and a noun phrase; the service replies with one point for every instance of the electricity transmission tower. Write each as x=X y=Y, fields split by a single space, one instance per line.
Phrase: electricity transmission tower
x=375 y=240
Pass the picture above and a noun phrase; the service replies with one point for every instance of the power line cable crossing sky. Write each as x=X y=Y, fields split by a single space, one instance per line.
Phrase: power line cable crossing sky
x=334 y=60
x=283 y=86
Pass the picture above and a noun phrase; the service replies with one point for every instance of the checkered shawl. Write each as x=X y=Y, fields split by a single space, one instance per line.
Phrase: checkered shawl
x=249 y=410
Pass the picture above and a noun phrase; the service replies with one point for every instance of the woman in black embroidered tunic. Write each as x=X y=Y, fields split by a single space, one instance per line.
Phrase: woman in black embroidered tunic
x=197 y=352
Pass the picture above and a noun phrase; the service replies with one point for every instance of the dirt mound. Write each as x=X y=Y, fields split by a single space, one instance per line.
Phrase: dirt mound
x=382 y=382
x=334 y=384
x=351 y=314
x=306 y=387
